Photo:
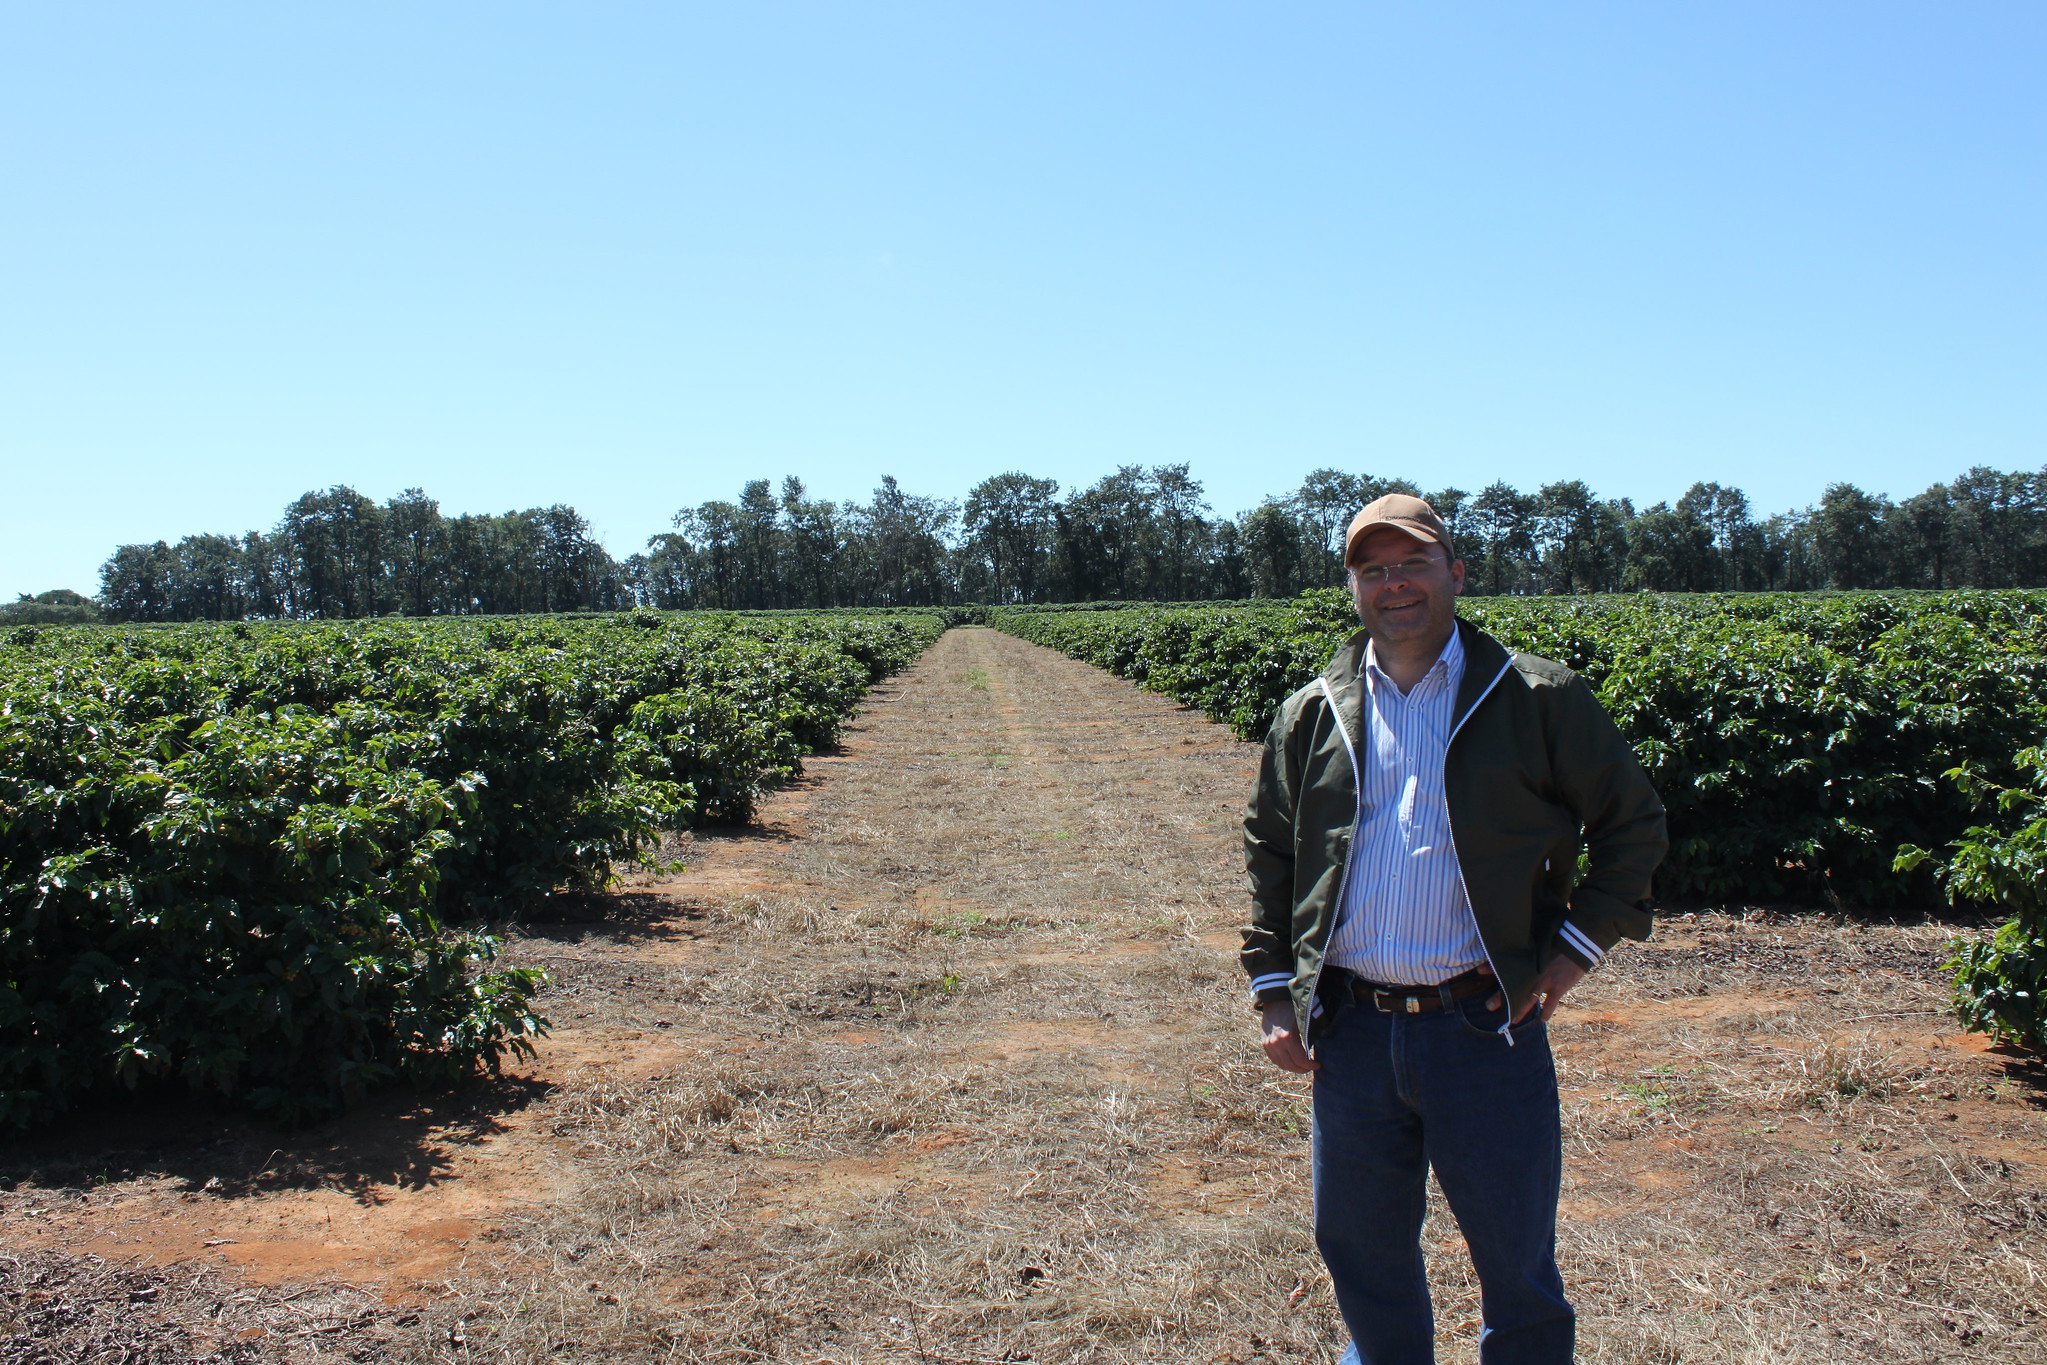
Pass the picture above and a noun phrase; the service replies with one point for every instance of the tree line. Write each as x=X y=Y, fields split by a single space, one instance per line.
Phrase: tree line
x=1139 y=533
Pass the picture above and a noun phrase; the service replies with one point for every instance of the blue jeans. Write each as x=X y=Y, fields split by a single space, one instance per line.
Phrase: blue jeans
x=1398 y=1094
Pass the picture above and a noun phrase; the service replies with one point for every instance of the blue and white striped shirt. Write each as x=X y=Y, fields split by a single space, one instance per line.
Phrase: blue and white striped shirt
x=1405 y=919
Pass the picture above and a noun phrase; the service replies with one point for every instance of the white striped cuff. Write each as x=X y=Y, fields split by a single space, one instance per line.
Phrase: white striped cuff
x=1268 y=981
x=1575 y=936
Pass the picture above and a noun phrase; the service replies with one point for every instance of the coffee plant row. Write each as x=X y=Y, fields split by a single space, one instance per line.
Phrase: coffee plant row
x=229 y=854
x=1849 y=750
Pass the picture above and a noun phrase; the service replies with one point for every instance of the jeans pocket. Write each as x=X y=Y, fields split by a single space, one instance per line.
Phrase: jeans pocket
x=1479 y=1019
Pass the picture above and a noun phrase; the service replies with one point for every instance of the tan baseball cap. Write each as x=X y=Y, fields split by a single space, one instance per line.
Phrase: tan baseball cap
x=1403 y=513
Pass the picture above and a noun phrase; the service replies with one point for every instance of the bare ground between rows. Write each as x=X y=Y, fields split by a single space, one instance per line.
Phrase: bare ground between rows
x=946 y=1060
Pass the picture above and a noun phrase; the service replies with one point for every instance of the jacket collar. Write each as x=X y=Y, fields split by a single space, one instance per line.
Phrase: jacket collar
x=1346 y=678
x=1484 y=657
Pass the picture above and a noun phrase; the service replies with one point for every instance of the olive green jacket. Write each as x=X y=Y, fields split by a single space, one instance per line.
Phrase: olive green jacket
x=1536 y=770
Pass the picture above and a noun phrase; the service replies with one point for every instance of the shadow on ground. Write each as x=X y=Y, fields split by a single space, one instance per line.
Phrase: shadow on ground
x=397 y=1138
x=2026 y=1072
x=624 y=917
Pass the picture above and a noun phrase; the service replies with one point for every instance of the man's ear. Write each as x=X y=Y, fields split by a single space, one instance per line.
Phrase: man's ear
x=1456 y=577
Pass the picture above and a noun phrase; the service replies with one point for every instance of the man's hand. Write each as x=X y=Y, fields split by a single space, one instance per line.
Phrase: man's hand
x=1556 y=979
x=1282 y=1038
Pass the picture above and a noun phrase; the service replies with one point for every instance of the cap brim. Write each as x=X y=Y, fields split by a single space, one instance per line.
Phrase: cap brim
x=1416 y=531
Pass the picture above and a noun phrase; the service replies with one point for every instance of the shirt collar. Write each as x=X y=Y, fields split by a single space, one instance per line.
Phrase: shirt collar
x=1448 y=664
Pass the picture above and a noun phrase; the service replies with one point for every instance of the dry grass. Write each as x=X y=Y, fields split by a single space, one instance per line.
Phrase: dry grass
x=57 y=1308
x=993 y=1099
x=1853 y=1185
x=963 y=1074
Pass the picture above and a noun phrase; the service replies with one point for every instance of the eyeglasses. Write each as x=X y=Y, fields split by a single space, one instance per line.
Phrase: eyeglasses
x=1375 y=574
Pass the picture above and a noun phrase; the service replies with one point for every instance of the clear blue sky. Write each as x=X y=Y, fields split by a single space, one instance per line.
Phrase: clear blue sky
x=627 y=256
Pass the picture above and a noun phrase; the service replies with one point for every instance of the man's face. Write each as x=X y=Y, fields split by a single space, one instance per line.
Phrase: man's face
x=1416 y=600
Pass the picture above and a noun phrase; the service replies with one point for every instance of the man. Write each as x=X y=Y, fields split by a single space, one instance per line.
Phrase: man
x=1417 y=916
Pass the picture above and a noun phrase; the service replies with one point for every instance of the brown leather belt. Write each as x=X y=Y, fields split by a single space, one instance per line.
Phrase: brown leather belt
x=1414 y=999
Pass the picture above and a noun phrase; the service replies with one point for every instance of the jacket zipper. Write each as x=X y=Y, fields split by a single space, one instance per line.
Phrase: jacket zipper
x=1506 y=1027
x=1357 y=782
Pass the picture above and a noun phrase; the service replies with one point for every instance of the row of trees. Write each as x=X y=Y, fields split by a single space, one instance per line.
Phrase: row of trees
x=1986 y=529
x=1136 y=534
x=339 y=554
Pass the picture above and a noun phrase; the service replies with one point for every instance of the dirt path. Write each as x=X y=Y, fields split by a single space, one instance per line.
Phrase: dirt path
x=947 y=1060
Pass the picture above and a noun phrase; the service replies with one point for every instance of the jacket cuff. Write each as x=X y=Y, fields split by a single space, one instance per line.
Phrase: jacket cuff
x=1577 y=944
x=1597 y=921
x=1270 y=982
x=1606 y=920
